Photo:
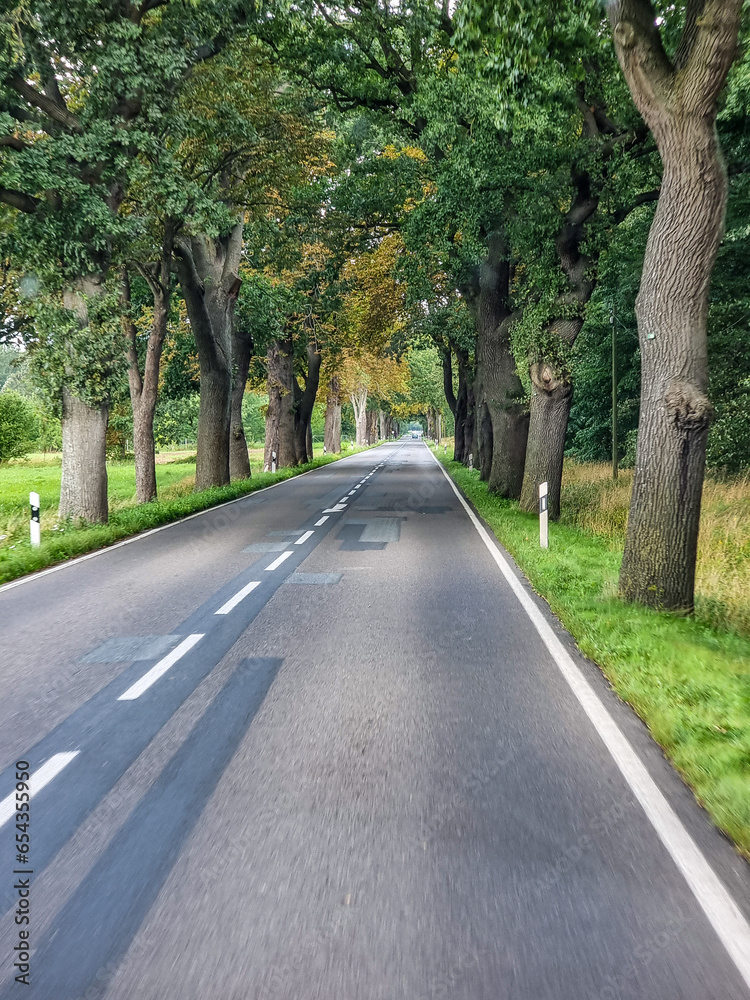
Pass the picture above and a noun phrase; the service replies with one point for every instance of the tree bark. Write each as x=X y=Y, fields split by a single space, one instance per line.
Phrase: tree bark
x=332 y=434
x=461 y=411
x=548 y=424
x=678 y=101
x=304 y=403
x=501 y=412
x=144 y=386
x=242 y=352
x=208 y=270
x=280 y=414
x=83 y=483
x=359 y=405
x=371 y=427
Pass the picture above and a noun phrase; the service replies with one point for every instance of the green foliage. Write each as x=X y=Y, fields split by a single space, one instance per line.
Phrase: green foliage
x=19 y=427
x=176 y=420
x=254 y=416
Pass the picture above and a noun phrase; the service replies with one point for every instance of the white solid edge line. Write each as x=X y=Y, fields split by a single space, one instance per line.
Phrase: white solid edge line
x=303 y=538
x=278 y=561
x=162 y=527
x=239 y=596
x=721 y=910
x=160 y=668
x=41 y=777
x=321 y=521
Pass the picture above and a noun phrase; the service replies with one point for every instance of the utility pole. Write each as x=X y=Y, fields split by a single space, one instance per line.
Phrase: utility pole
x=613 y=327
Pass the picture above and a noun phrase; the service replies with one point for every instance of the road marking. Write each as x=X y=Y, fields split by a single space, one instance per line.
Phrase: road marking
x=344 y=499
x=357 y=486
x=157 y=671
x=350 y=493
x=321 y=521
x=277 y=562
x=721 y=910
x=41 y=777
x=303 y=538
x=153 y=531
x=335 y=509
x=239 y=596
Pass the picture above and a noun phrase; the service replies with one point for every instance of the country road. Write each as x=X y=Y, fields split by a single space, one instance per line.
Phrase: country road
x=316 y=745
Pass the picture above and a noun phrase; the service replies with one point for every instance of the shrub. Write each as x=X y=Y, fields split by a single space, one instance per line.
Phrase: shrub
x=19 y=426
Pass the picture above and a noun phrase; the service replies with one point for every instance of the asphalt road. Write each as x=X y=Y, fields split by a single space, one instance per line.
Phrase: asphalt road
x=345 y=765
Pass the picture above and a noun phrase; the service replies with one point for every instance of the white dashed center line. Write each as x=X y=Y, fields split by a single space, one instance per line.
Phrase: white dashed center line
x=277 y=562
x=157 y=671
x=303 y=538
x=321 y=521
x=240 y=595
x=41 y=777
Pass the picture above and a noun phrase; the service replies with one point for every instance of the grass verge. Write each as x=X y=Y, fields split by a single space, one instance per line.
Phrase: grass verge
x=688 y=681
x=132 y=519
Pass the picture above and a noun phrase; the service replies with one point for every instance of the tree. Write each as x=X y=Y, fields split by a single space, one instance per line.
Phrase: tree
x=19 y=427
x=84 y=90
x=678 y=98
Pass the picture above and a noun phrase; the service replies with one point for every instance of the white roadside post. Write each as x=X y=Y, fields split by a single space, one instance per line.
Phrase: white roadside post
x=273 y=461
x=471 y=462
x=543 y=517
x=34 y=525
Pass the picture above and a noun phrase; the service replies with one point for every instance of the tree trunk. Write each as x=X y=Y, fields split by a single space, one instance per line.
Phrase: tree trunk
x=679 y=103
x=548 y=425
x=332 y=435
x=503 y=418
x=242 y=352
x=208 y=269
x=304 y=403
x=381 y=419
x=144 y=386
x=359 y=405
x=460 y=414
x=83 y=484
x=280 y=415
x=471 y=420
x=371 y=429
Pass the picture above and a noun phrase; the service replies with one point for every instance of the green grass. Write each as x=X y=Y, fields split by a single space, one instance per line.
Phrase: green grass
x=126 y=518
x=689 y=682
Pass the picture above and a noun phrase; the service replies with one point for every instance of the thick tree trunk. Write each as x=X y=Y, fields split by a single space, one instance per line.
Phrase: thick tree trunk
x=679 y=103
x=460 y=412
x=144 y=450
x=371 y=430
x=381 y=419
x=242 y=351
x=359 y=405
x=471 y=420
x=332 y=434
x=83 y=484
x=280 y=415
x=548 y=425
x=208 y=269
x=503 y=418
x=304 y=403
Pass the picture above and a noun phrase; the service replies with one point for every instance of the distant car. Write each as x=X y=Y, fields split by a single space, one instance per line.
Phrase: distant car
x=416 y=434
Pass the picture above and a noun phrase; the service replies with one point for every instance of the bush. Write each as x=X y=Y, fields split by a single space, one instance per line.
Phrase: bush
x=19 y=426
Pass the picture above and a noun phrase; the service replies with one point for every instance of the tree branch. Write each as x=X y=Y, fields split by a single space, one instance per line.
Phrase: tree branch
x=50 y=107
x=17 y=199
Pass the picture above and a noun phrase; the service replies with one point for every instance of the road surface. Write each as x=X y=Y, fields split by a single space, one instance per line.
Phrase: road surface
x=312 y=746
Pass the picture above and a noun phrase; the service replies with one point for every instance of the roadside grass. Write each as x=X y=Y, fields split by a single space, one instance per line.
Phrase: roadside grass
x=688 y=679
x=65 y=540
